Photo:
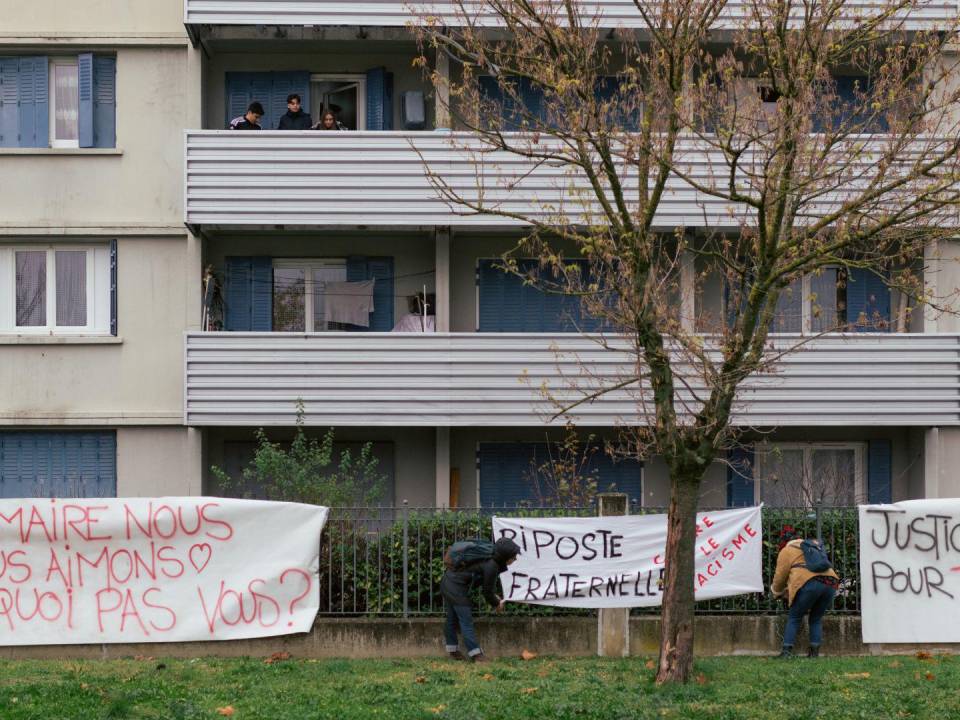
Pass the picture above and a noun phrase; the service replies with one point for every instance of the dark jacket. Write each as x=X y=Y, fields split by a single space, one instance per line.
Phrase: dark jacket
x=456 y=584
x=295 y=121
x=241 y=123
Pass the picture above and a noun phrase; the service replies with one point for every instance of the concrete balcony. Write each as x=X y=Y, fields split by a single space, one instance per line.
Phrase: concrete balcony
x=927 y=15
x=380 y=179
x=466 y=379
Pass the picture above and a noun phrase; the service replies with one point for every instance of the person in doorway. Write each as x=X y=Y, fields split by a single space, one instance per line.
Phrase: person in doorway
x=295 y=118
x=328 y=121
x=250 y=120
x=455 y=588
x=807 y=585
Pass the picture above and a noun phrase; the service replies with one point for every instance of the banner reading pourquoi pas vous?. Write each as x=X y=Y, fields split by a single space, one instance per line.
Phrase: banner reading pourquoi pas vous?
x=910 y=571
x=156 y=569
x=609 y=562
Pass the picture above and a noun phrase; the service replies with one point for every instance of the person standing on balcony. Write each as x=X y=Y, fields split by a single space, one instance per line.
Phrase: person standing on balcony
x=328 y=121
x=804 y=576
x=250 y=120
x=455 y=588
x=294 y=118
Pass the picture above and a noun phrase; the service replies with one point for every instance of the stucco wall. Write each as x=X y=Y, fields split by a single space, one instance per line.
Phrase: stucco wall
x=158 y=461
x=137 y=381
x=100 y=17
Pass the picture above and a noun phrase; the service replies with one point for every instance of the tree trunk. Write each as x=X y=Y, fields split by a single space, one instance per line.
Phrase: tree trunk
x=676 y=630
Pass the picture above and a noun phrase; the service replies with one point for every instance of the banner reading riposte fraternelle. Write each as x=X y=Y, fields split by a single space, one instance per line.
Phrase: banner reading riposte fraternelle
x=156 y=569
x=608 y=562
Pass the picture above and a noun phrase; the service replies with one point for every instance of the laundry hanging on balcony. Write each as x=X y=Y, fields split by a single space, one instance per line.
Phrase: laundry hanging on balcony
x=349 y=302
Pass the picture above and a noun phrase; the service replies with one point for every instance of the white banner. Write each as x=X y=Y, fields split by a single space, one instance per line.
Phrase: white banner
x=608 y=562
x=156 y=569
x=910 y=571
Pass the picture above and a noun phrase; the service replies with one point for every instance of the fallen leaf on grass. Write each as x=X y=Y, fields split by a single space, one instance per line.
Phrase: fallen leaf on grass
x=438 y=709
x=420 y=679
x=486 y=676
x=701 y=679
x=894 y=664
x=930 y=676
x=527 y=655
x=650 y=665
x=923 y=655
x=276 y=657
x=226 y=711
x=857 y=676
x=528 y=691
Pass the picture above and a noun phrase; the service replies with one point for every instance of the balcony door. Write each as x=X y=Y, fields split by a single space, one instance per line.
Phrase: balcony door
x=345 y=94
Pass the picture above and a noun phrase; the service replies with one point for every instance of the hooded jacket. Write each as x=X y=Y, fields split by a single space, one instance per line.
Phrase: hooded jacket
x=456 y=584
x=295 y=121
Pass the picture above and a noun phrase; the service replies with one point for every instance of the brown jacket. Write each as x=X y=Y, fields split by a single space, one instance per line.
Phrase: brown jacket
x=791 y=573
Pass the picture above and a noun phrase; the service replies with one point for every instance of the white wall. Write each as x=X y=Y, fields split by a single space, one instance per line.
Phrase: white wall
x=158 y=461
x=96 y=17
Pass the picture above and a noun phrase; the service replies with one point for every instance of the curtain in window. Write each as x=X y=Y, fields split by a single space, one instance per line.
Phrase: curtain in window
x=322 y=276
x=289 y=309
x=71 y=272
x=789 y=312
x=31 y=282
x=823 y=301
x=783 y=482
x=834 y=476
x=66 y=101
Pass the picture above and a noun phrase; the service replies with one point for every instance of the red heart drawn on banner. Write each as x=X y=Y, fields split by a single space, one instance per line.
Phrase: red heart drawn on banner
x=203 y=553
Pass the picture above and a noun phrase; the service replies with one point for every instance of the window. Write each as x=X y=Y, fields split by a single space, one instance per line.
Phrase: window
x=55 y=289
x=76 y=464
x=813 y=304
x=800 y=474
x=64 y=102
x=344 y=94
x=299 y=292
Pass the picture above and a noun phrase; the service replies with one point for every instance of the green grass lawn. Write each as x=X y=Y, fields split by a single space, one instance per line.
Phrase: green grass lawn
x=544 y=688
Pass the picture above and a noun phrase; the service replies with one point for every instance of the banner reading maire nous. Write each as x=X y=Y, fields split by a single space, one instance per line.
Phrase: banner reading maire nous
x=608 y=562
x=156 y=569
x=910 y=571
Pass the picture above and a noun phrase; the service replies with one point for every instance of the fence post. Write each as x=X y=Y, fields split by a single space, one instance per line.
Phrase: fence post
x=613 y=624
x=406 y=560
x=819 y=507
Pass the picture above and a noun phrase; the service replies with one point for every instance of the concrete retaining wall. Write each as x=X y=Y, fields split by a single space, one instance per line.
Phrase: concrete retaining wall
x=422 y=637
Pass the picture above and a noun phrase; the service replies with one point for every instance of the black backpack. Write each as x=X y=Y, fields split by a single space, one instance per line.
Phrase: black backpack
x=467 y=552
x=815 y=558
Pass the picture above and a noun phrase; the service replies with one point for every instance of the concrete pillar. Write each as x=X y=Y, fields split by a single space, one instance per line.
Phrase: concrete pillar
x=194 y=268
x=688 y=297
x=443 y=467
x=441 y=110
x=931 y=463
x=442 y=270
x=941 y=457
x=931 y=284
x=613 y=624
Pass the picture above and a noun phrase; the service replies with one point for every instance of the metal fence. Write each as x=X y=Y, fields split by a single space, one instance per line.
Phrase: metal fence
x=389 y=561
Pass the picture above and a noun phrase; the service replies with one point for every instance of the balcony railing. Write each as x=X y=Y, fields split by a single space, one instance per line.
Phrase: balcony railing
x=381 y=179
x=928 y=14
x=472 y=379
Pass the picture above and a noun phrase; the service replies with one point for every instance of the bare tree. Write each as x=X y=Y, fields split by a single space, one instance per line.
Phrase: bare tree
x=795 y=171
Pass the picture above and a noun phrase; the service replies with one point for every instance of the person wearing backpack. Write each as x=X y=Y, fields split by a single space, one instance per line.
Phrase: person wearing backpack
x=469 y=564
x=806 y=577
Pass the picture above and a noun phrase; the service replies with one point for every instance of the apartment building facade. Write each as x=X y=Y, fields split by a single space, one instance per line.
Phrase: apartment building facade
x=181 y=379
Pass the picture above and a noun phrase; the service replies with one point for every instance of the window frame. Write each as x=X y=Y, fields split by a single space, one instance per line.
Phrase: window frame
x=97 y=285
x=308 y=265
x=806 y=306
x=764 y=450
x=346 y=78
x=53 y=61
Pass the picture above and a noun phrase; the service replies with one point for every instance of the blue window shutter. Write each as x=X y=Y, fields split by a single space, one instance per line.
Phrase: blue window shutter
x=113 y=287
x=238 y=294
x=104 y=101
x=740 y=484
x=530 y=96
x=879 y=471
x=282 y=85
x=9 y=101
x=868 y=301
x=507 y=304
x=55 y=464
x=261 y=313
x=356 y=268
x=85 y=79
x=379 y=99
x=381 y=270
x=507 y=472
x=245 y=87
x=34 y=108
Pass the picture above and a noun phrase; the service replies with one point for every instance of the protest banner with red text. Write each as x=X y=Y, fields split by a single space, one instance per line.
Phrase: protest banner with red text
x=156 y=569
x=610 y=562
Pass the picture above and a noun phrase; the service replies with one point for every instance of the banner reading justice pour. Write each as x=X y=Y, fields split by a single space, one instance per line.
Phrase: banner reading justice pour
x=608 y=562
x=156 y=569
